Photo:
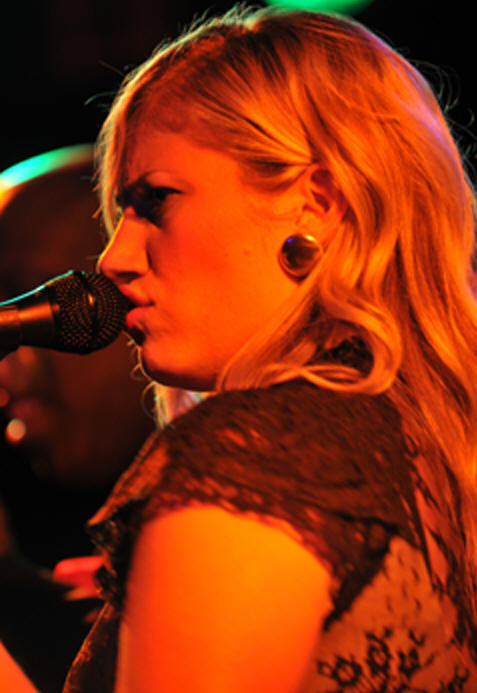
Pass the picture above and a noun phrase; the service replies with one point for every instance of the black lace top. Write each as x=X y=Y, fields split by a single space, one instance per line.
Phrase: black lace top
x=333 y=470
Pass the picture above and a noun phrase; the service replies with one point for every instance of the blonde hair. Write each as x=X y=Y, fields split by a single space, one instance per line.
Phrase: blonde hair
x=279 y=91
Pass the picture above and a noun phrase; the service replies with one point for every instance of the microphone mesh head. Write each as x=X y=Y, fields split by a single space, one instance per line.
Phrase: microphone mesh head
x=91 y=311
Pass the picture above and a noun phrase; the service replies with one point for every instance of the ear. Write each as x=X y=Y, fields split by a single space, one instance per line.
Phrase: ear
x=324 y=205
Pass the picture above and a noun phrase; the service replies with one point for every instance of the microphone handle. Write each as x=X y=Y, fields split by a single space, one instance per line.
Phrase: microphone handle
x=33 y=324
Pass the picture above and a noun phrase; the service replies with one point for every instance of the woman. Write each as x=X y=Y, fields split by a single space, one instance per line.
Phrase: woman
x=290 y=219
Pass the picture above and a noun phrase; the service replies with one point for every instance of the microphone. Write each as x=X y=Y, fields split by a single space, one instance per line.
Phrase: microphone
x=77 y=312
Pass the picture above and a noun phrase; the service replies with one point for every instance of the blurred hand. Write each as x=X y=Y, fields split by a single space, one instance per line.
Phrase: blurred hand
x=79 y=573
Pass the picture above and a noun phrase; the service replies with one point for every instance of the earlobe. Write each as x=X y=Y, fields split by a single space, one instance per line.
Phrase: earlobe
x=322 y=208
x=299 y=254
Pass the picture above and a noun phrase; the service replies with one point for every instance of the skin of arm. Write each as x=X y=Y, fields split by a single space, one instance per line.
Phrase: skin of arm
x=12 y=677
x=219 y=603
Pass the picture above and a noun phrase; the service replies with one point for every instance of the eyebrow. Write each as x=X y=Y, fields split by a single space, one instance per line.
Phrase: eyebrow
x=137 y=190
x=139 y=184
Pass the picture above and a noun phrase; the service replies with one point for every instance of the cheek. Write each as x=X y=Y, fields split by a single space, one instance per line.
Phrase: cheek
x=195 y=252
x=218 y=277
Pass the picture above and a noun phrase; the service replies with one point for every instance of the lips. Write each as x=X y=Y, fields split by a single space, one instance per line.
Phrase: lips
x=136 y=299
x=134 y=323
x=134 y=317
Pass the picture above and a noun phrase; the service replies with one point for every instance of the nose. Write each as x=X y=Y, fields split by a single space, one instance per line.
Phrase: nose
x=125 y=257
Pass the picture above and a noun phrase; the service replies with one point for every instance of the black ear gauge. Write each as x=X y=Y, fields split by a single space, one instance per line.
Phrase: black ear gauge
x=299 y=254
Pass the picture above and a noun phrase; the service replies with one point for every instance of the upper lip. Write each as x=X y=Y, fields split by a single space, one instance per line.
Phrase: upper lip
x=134 y=297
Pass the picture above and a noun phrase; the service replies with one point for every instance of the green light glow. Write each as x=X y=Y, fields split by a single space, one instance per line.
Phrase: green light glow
x=43 y=163
x=339 y=6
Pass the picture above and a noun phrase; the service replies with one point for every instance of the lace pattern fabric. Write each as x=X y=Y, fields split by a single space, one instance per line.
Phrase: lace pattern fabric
x=332 y=470
x=393 y=638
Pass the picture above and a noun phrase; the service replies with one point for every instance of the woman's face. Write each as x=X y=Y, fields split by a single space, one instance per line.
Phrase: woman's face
x=196 y=253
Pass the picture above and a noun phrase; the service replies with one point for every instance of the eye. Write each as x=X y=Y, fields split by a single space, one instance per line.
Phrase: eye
x=147 y=201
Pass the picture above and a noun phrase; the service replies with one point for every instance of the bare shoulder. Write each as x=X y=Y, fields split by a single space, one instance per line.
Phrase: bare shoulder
x=219 y=602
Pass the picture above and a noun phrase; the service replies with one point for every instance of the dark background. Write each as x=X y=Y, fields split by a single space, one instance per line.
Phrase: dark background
x=62 y=59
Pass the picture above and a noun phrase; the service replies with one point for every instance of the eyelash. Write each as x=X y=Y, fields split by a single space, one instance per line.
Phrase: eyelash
x=147 y=202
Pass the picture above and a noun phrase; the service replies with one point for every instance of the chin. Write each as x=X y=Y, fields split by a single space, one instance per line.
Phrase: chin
x=176 y=376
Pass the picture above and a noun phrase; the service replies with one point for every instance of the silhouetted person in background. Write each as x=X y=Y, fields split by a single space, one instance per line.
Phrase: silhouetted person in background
x=69 y=423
